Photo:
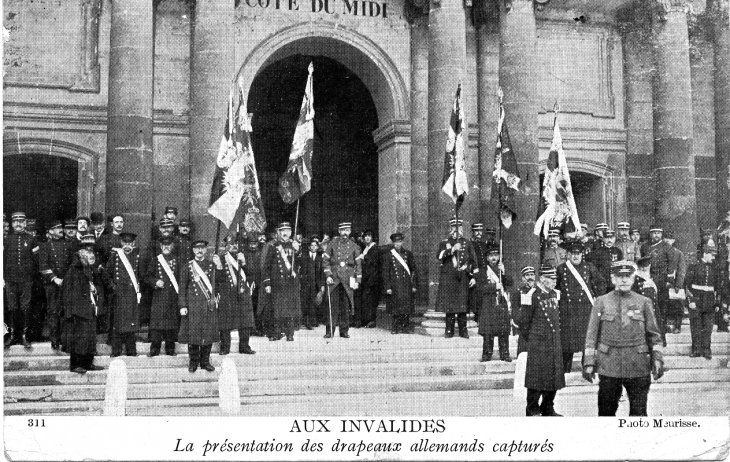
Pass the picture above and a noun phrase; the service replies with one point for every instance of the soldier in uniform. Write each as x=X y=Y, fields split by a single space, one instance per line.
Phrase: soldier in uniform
x=400 y=281
x=605 y=256
x=235 y=309
x=344 y=274
x=587 y=240
x=198 y=301
x=675 y=308
x=703 y=287
x=371 y=283
x=55 y=258
x=663 y=270
x=252 y=254
x=520 y=300
x=125 y=269
x=631 y=250
x=163 y=277
x=82 y=291
x=20 y=264
x=185 y=240
x=554 y=254
x=539 y=323
x=636 y=238
x=69 y=233
x=494 y=320
x=623 y=345
x=579 y=283
x=644 y=284
x=280 y=273
x=312 y=282
x=458 y=267
x=476 y=293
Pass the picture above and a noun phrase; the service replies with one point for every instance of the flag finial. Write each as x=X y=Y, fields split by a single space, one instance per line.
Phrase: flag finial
x=500 y=94
x=556 y=107
x=311 y=67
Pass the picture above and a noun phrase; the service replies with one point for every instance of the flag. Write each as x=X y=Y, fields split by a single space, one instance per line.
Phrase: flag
x=454 y=182
x=506 y=174
x=557 y=192
x=297 y=179
x=236 y=183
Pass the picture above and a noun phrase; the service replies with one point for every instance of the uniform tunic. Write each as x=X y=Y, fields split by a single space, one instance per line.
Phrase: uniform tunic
x=494 y=318
x=575 y=306
x=20 y=260
x=235 y=310
x=54 y=259
x=283 y=280
x=663 y=264
x=518 y=308
x=164 y=312
x=622 y=332
x=540 y=325
x=476 y=293
x=341 y=263
x=200 y=326
x=397 y=279
x=124 y=304
x=602 y=260
x=455 y=273
x=631 y=250
x=646 y=287
x=79 y=327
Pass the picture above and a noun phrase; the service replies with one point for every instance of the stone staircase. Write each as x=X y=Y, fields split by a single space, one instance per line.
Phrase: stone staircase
x=371 y=370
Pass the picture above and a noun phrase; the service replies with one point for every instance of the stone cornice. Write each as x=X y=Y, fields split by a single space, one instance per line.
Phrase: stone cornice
x=393 y=132
x=665 y=7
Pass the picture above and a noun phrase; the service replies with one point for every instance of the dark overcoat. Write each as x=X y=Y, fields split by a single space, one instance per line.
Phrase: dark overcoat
x=200 y=326
x=124 y=303
x=476 y=293
x=494 y=315
x=540 y=325
x=575 y=306
x=283 y=280
x=400 y=281
x=454 y=275
x=164 y=312
x=235 y=310
x=311 y=274
x=79 y=323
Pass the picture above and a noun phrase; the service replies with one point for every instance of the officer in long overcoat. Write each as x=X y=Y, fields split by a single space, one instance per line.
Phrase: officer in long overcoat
x=400 y=280
x=20 y=265
x=480 y=250
x=343 y=270
x=124 y=266
x=521 y=299
x=163 y=276
x=576 y=301
x=198 y=301
x=456 y=275
x=540 y=325
x=495 y=309
x=235 y=309
x=280 y=273
x=703 y=287
x=54 y=260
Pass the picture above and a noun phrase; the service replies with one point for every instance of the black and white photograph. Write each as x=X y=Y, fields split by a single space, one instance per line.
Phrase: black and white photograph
x=366 y=229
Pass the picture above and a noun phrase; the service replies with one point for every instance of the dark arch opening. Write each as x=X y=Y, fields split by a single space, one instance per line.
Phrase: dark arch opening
x=345 y=161
x=589 y=197
x=44 y=187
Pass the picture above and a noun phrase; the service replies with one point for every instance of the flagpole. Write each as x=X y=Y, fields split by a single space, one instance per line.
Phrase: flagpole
x=296 y=222
x=499 y=192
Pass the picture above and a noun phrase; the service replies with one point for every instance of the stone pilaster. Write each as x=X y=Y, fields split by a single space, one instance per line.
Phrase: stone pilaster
x=446 y=67
x=518 y=75
x=720 y=11
x=673 y=151
x=211 y=74
x=129 y=164
x=419 y=153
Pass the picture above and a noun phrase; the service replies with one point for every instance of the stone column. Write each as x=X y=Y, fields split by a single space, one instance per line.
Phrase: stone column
x=129 y=164
x=518 y=76
x=211 y=74
x=419 y=153
x=720 y=11
x=673 y=157
x=446 y=66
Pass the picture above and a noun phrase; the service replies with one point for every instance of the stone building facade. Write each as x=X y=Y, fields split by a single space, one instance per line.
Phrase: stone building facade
x=133 y=94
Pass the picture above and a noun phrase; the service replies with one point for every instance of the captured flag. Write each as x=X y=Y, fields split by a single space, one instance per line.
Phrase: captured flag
x=236 y=183
x=506 y=174
x=557 y=192
x=454 y=183
x=297 y=179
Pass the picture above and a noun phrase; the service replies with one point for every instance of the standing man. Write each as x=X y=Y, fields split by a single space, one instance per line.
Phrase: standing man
x=280 y=273
x=55 y=258
x=312 y=282
x=494 y=320
x=458 y=265
x=125 y=271
x=185 y=240
x=20 y=265
x=663 y=270
x=69 y=233
x=553 y=254
x=605 y=256
x=675 y=308
x=371 y=282
x=623 y=345
x=476 y=293
x=522 y=300
x=82 y=228
x=630 y=249
x=109 y=241
x=643 y=284
x=235 y=309
x=400 y=281
x=163 y=276
x=703 y=289
x=344 y=275
x=539 y=323
x=579 y=284
x=83 y=290
x=252 y=254
x=198 y=302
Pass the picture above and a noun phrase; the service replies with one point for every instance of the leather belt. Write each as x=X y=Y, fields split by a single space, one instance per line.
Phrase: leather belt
x=703 y=288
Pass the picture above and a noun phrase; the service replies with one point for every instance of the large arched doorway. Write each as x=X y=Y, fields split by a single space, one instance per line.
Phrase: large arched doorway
x=345 y=161
x=593 y=198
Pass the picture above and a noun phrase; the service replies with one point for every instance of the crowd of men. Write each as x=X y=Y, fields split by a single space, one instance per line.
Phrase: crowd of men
x=583 y=297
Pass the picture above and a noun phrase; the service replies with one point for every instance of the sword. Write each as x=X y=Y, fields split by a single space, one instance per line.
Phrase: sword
x=329 y=302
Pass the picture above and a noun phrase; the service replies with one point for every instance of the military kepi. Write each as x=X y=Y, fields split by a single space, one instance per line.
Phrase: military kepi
x=283 y=225
x=127 y=237
x=200 y=243
x=345 y=224
x=623 y=268
x=454 y=222
x=548 y=271
x=527 y=270
x=396 y=237
x=18 y=216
